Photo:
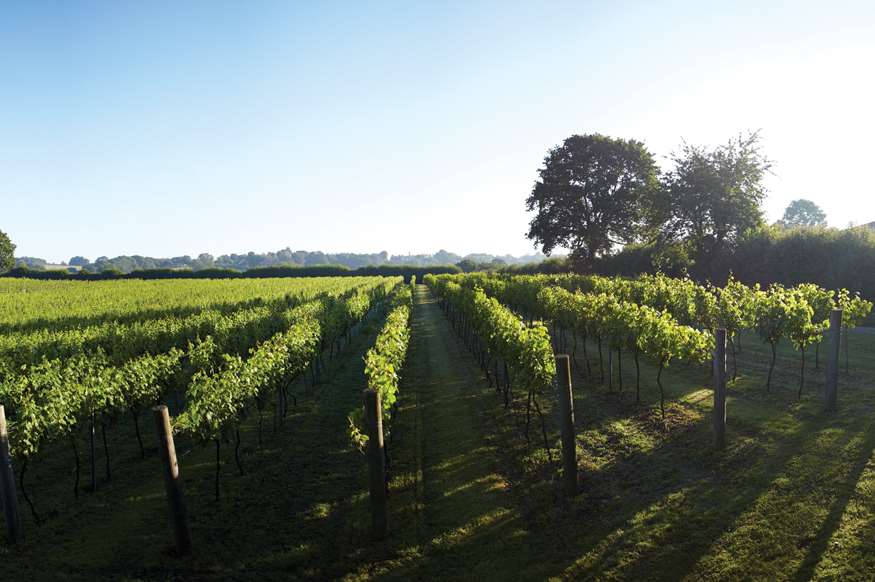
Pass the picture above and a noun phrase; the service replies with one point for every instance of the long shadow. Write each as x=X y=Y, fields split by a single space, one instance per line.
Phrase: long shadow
x=710 y=488
x=759 y=482
x=723 y=487
x=298 y=509
x=834 y=517
x=645 y=485
x=468 y=526
x=700 y=480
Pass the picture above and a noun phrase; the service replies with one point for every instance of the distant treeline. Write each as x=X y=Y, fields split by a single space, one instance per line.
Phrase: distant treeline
x=405 y=271
x=282 y=258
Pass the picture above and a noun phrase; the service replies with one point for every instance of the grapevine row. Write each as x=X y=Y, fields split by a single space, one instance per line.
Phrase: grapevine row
x=384 y=363
x=225 y=385
x=54 y=399
x=124 y=341
x=500 y=340
x=799 y=314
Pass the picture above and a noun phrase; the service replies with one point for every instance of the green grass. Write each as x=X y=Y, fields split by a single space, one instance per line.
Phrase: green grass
x=299 y=508
x=792 y=497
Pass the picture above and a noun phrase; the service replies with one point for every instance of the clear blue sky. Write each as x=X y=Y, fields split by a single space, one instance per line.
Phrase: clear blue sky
x=170 y=128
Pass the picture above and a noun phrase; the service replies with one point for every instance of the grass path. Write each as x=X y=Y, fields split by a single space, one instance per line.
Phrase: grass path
x=791 y=498
x=467 y=526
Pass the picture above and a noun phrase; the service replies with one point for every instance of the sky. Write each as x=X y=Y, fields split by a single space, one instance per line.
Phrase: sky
x=171 y=128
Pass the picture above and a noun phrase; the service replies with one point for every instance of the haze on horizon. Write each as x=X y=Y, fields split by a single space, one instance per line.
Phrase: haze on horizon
x=165 y=129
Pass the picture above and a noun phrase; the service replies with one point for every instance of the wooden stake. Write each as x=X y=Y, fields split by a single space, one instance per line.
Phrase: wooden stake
x=376 y=462
x=93 y=448
x=566 y=412
x=7 y=485
x=832 y=363
x=172 y=483
x=720 y=390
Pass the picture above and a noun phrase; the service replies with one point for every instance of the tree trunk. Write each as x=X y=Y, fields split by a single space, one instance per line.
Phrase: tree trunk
x=847 y=349
x=802 y=375
x=93 y=447
x=218 y=465
x=36 y=517
x=586 y=357
x=771 y=367
x=574 y=347
x=78 y=465
x=661 y=392
x=507 y=393
x=620 y=367
x=637 y=379
x=495 y=369
x=610 y=368
x=528 y=414
x=543 y=428
x=237 y=450
x=105 y=450
x=137 y=429
x=734 y=358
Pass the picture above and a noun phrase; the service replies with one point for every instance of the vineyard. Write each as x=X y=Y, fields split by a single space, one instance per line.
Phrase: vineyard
x=361 y=427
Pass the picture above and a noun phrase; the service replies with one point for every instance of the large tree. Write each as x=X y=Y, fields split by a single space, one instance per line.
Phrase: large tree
x=803 y=213
x=712 y=196
x=78 y=261
x=7 y=253
x=589 y=196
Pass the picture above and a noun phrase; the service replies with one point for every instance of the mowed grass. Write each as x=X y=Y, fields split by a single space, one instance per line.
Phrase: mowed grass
x=298 y=511
x=792 y=497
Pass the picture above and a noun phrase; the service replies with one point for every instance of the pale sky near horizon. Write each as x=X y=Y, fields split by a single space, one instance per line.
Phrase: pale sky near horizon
x=171 y=128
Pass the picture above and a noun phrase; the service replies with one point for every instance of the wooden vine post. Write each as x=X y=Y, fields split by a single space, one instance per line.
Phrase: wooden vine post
x=7 y=484
x=832 y=363
x=172 y=483
x=720 y=390
x=93 y=448
x=376 y=462
x=566 y=411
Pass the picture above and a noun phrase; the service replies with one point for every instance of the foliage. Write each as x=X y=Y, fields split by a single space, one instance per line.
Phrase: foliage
x=7 y=252
x=712 y=196
x=828 y=257
x=109 y=273
x=72 y=364
x=217 y=398
x=384 y=363
x=803 y=213
x=526 y=349
x=855 y=309
x=590 y=195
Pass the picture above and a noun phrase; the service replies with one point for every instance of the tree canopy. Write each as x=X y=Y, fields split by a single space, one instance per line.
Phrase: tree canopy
x=712 y=196
x=589 y=196
x=78 y=261
x=7 y=253
x=801 y=213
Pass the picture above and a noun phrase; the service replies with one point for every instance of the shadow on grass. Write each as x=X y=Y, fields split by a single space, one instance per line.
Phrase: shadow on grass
x=298 y=509
x=659 y=512
x=833 y=520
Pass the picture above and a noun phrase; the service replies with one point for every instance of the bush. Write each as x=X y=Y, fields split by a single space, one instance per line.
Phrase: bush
x=407 y=272
x=829 y=257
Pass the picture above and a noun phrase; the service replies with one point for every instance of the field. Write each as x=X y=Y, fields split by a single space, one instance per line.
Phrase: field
x=276 y=486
